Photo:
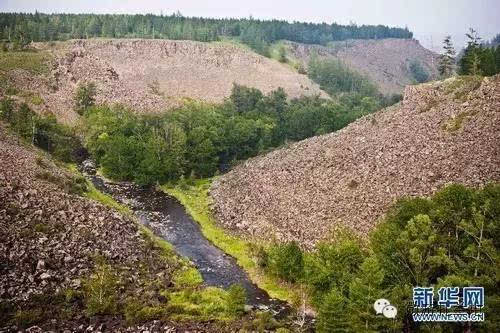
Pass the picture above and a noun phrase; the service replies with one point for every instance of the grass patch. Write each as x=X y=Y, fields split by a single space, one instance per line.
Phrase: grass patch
x=187 y=278
x=197 y=203
x=461 y=86
x=455 y=123
x=206 y=304
x=36 y=62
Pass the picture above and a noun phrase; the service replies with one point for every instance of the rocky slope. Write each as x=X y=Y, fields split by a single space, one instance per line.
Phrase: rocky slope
x=385 y=61
x=50 y=239
x=441 y=132
x=152 y=75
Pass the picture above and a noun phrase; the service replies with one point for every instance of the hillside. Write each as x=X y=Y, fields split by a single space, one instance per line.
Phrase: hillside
x=68 y=262
x=441 y=132
x=385 y=61
x=152 y=75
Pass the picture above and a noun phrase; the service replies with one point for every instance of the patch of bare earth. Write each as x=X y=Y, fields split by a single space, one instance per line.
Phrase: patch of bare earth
x=153 y=75
x=441 y=132
x=385 y=61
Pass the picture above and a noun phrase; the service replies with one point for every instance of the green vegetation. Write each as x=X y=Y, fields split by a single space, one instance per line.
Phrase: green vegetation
x=100 y=290
x=21 y=28
x=36 y=62
x=450 y=239
x=418 y=72
x=197 y=202
x=478 y=58
x=352 y=89
x=199 y=139
x=84 y=96
x=188 y=278
x=43 y=131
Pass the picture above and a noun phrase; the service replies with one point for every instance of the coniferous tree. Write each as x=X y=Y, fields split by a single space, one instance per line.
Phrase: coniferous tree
x=470 y=64
x=447 y=59
x=333 y=316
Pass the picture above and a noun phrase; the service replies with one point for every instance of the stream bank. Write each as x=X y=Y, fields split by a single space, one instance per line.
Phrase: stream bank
x=167 y=218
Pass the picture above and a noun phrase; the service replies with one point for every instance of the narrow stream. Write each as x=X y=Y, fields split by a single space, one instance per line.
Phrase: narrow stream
x=167 y=218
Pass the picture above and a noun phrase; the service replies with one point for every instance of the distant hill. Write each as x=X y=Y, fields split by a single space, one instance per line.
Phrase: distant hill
x=153 y=75
x=387 y=62
x=447 y=131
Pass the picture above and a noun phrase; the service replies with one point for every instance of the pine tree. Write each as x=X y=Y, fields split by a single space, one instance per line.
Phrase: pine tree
x=333 y=315
x=364 y=290
x=447 y=59
x=470 y=64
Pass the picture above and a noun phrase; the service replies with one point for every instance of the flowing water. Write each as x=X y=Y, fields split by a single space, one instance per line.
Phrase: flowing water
x=167 y=218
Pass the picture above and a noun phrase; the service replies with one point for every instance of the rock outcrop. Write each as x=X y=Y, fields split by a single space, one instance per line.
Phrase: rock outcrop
x=441 y=132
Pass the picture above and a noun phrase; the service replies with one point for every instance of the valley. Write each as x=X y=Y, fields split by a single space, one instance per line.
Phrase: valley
x=162 y=173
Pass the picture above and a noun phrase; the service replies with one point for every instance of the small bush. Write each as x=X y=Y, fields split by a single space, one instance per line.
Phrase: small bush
x=84 y=97
x=100 y=290
x=236 y=299
x=136 y=312
x=286 y=261
x=26 y=318
x=418 y=72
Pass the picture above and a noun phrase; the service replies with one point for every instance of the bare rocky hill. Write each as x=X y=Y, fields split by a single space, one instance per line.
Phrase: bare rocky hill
x=152 y=75
x=441 y=132
x=385 y=61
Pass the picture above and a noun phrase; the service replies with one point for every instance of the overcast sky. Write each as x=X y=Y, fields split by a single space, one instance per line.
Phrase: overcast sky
x=430 y=20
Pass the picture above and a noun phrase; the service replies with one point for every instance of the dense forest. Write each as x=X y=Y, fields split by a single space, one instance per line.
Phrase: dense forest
x=450 y=239
x=24 y=28
x=199 y=139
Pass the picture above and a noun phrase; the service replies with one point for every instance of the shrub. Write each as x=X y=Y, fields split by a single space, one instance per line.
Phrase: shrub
x=84 y=97
x=286 y=261
x=236 y=299
x=100 y=290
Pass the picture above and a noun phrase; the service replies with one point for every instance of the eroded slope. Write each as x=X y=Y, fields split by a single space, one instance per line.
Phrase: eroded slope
x=152 y=75
x=385 y=61
x=441 y=132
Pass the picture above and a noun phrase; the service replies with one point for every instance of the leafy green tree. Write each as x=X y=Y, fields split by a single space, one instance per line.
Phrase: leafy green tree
x=236 y=299
x=333 y=265
x=245 y=99
x=418 y=72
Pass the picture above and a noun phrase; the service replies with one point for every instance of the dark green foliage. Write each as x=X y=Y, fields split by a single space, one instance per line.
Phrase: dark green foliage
x=42 y=131
x=245 y=99
x=333 y=315
x=335 y=77
x=418 y=72
x=258 y=34
x=447 y=59
x=84 y=97
x=479 y=58
x=199 y=139
x=333 y=265
x=286 y=261
x=450 y=239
